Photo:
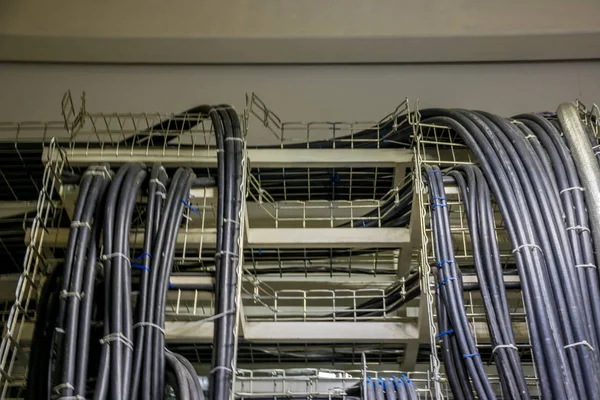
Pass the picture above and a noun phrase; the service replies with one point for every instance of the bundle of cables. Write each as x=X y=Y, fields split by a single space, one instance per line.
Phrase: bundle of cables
x=82 y=332
x=528 y=168
x=402 y=388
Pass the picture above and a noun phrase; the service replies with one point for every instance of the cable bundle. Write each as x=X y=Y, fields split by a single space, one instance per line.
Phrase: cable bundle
x=230 y=147
x=451 y=308
x=127 y=355
x=392 y=388
x=151 y=359
x=72 y=332
x=520 y=178
x=478 y=206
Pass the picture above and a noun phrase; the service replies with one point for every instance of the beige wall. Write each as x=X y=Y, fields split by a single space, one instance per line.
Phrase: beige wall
x=258 y=31
x=346 y=93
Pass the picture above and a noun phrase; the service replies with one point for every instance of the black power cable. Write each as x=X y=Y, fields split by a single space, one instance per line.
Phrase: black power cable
x=477 y=200
x=450 y=285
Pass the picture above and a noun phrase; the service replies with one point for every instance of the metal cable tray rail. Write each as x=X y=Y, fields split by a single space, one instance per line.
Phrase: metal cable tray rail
x=87 y=138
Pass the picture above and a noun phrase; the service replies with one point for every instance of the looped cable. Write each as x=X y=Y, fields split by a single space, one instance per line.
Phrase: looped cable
x=112 y=255
x=116 y=337
x=505 y=346
x=582 y=343
x=531 y=245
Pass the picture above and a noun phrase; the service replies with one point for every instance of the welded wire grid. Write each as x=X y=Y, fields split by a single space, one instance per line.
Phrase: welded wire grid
x=305 y=354
x=591 y=118
x=312 y=382
x=303 y=212
x=21 y=174
x=37 y=263
x=315 y=304
x=284 y=133
x=327 y=262
x=172 y=137
x=333 y=183
x=438 y=145
x=306 y=184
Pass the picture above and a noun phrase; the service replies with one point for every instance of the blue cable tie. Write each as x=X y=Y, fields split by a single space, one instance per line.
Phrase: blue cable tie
x=441 y=263
x=363 y=223
x=448 y=332
x=142 y=256
x=433 y=171
x=171 y=286
x=470 y=355
x=188 y=205
x=260 y=252
x=450 y=278
x=140 y=266
x=434 y=205
x=334 y=178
